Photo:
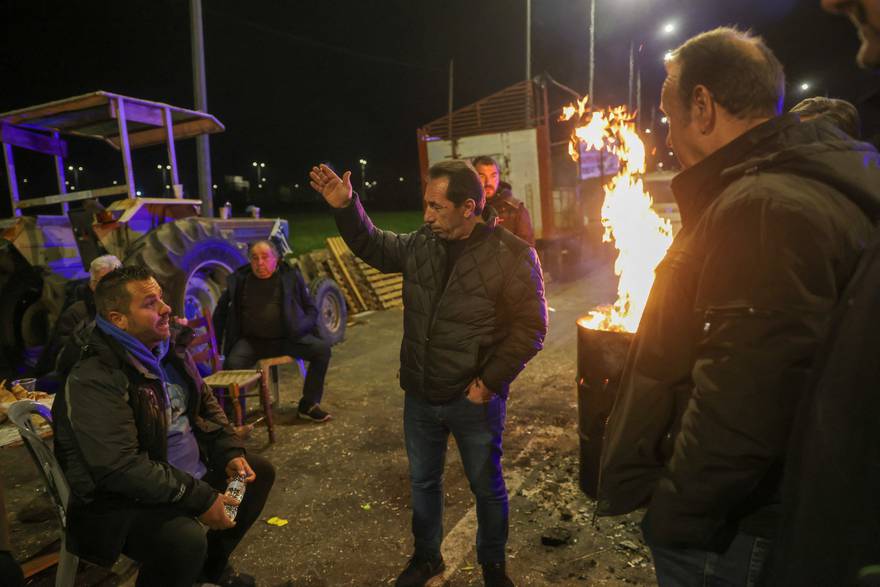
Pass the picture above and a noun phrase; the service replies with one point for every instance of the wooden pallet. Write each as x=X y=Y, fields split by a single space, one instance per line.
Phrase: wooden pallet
x=372 y=289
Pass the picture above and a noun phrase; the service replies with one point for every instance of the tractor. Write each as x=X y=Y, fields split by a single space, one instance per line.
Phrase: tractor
x=44 y=256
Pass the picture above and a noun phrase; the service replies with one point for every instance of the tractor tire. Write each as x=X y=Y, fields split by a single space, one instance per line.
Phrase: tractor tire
x=332 y=311
x=191 y=260
x=21 y=291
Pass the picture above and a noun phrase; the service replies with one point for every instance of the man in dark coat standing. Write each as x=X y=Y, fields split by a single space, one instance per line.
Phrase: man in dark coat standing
x=267 y=311
x=830 y=529
x=474 y=315
x=775 y=216
x=512 y=214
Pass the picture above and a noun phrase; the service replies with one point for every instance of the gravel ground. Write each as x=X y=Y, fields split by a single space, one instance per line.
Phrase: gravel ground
x=344 y=491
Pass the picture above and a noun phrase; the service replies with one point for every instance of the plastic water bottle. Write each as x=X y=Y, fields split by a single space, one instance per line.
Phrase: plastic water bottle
x=235 y=489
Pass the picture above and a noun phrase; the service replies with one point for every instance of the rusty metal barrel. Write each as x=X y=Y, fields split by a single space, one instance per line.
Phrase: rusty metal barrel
x=600 y=358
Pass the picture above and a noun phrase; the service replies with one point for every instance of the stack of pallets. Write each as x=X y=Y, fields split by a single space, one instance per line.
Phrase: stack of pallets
x=364 y=287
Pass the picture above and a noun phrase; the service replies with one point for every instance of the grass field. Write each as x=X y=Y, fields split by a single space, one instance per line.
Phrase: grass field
x=309 y=231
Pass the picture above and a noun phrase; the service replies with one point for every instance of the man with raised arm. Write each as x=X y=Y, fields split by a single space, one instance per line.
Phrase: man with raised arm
x=474 y=315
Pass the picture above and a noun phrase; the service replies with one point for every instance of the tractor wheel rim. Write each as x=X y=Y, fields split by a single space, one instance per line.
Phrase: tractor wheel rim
x=331 y=312
x=204 y=287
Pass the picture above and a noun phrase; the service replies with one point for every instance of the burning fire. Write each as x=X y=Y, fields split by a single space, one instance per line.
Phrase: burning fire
x=639 y=234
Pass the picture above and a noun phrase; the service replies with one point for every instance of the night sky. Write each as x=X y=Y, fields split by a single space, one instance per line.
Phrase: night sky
x=297 y=82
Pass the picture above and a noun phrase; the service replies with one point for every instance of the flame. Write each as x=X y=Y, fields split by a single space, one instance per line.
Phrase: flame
x=639 y=234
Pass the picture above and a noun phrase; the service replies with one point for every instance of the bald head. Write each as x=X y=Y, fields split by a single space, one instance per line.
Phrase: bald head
x=738 y=69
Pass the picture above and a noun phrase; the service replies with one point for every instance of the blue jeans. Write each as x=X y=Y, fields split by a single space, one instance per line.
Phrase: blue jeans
x=477 y=429
x=739 y=566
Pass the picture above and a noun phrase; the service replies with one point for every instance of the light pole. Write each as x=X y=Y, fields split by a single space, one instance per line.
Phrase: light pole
x=259 y=166
x=363 y=163
x=591 y=23
x=163 y=170
x=76 y=170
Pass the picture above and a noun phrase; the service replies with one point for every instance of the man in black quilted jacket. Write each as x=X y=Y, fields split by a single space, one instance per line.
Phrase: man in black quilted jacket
x=474 y=314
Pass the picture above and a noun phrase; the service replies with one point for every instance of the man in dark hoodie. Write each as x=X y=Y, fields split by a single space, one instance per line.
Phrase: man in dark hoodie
x=830 y=529
x=774 y=219
x=267 y=311
x=146 y=449
x=512 y=213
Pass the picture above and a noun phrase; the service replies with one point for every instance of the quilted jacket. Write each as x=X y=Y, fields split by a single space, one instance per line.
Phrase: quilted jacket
x=487 y=321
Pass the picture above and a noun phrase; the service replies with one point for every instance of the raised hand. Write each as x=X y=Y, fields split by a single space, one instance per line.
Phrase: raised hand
x=336 y=191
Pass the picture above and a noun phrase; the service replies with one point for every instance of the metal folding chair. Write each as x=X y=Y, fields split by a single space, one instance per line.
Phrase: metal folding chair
x=20 y=414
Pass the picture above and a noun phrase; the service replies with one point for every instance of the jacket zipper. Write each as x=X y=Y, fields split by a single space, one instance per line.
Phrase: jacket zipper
x=437 y=305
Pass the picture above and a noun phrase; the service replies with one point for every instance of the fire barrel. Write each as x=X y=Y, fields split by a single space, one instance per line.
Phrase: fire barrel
x=601 y=355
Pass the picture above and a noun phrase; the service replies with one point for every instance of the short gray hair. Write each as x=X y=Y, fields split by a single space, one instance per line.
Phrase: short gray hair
x=102 y=265
x=272 y=247
x=738 y=69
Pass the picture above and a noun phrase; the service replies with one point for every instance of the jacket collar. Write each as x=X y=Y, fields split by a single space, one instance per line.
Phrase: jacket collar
x=697 y=187
x=115 y=356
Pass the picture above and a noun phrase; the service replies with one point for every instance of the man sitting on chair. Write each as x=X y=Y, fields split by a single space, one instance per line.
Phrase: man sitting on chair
x=146 y=448
x=267 y=311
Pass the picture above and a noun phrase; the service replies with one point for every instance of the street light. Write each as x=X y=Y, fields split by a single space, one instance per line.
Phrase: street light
x=363 y=163
x=805 y=86
x=259 y=166
x=163 y=170
x=76 y=169
x=669 y=28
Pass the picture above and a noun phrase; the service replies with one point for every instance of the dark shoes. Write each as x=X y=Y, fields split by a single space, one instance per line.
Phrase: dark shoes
x=419 y=571
x=495 y=575
x=313 y=413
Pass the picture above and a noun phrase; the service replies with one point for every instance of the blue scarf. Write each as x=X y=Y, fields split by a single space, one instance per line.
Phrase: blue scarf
x=151 y=359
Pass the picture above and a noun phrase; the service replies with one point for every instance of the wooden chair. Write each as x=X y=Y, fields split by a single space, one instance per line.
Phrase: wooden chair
x=237 y=381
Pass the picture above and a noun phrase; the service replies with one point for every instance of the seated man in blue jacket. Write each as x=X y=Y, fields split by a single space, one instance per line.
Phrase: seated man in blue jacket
x=267 y=311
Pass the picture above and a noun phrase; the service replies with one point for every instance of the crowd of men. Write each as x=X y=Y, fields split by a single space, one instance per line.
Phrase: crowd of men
x=745 y=416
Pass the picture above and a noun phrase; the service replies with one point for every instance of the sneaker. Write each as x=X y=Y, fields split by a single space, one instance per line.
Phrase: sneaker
x=495 y=575
x=419 y=572
x=314 y=413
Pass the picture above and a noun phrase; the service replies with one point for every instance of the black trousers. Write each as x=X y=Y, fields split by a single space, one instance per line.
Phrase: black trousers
x=247 y=351
x=175 y=549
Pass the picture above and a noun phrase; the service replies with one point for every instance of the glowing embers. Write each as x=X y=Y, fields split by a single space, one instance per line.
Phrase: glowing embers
x=640 y=236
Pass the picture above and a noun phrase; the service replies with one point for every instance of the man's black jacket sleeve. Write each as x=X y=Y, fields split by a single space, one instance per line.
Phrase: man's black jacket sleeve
x=382 y=249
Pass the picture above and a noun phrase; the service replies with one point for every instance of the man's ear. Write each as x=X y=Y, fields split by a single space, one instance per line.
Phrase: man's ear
x=703 y=109
x=118 y=319
x=469 y=207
